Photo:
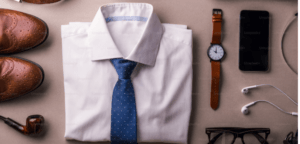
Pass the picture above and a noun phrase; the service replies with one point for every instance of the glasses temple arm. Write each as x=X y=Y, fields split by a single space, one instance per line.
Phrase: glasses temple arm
x=260 y=138
x=213 y=140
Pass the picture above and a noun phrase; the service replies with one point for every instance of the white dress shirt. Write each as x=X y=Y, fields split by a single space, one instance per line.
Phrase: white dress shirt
x=162 y=79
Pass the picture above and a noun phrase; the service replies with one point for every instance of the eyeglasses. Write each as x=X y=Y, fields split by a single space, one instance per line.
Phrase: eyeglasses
x=238 y=132
x=291 y=139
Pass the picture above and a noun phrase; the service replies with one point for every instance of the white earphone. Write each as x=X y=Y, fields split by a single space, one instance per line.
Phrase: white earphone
x=245 y=109
x=246 y=89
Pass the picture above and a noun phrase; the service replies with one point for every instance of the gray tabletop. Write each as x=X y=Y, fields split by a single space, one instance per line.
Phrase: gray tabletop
x=48 y=100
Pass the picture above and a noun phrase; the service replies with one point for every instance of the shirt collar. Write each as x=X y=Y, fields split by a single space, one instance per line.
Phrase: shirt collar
x=103 y=45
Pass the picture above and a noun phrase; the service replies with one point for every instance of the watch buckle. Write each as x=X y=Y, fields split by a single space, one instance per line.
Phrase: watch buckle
x=217 y=11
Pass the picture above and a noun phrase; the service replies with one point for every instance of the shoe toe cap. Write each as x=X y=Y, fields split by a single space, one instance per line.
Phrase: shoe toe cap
x=41 y=1
x=24 y=32
x=30 y=32
x=24 y=77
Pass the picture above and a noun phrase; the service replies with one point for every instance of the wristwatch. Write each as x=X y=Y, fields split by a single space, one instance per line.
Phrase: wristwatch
x=216 y=52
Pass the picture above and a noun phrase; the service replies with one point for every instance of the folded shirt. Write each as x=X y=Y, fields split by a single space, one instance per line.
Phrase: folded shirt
x=162 y=80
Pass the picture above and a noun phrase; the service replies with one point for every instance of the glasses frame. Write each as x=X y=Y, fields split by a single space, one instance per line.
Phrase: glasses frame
x=291 y=138
x=238 y=132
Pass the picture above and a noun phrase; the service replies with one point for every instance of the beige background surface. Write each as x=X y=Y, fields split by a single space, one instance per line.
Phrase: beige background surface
x=48 y=100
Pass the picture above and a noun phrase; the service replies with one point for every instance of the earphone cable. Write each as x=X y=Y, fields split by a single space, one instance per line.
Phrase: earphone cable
x=274 y=106
x=2 y=118
x=280 y=91
x=282 y=52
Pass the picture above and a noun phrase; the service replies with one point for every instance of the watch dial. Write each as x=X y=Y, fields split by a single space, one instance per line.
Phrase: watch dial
x=216 y=52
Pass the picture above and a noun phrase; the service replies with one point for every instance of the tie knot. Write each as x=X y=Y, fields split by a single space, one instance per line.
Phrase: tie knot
x=123 y=67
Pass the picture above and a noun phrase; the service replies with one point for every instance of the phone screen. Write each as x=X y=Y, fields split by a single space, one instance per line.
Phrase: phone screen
x=254 y=41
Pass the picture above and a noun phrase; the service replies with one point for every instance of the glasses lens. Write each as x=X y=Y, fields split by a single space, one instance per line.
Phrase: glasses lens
x=251 y=139
x=225 y=138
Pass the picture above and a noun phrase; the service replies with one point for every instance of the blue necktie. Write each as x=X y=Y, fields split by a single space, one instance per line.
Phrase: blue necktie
x=123 y=110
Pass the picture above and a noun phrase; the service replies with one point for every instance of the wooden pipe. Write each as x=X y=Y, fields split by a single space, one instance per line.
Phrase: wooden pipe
x=34 y=125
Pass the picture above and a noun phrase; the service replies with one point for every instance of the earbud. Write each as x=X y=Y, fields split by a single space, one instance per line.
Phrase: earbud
x=245 y=109
x=34 y=125
x=246 y=89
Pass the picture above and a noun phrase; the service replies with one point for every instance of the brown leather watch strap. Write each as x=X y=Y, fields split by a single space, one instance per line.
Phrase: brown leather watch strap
x=217 y=26
x=215 y=84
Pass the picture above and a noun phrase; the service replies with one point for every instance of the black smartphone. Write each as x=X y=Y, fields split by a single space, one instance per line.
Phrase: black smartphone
x=254 y=41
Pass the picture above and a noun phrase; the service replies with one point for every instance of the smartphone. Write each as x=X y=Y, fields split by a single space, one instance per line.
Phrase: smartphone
x=254 y=41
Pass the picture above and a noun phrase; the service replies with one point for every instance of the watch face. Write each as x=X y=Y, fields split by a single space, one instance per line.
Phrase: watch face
x=215 y=52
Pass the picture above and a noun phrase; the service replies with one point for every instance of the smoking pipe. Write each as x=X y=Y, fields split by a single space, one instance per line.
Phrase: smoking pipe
x=34 y=125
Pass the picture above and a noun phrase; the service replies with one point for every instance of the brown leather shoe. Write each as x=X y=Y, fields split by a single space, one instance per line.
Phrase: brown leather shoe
x=40 y=1
x=18 y=77
x=20 y=31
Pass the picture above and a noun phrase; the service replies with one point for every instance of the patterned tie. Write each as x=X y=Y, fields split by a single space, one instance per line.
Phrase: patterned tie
x=123 y=110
